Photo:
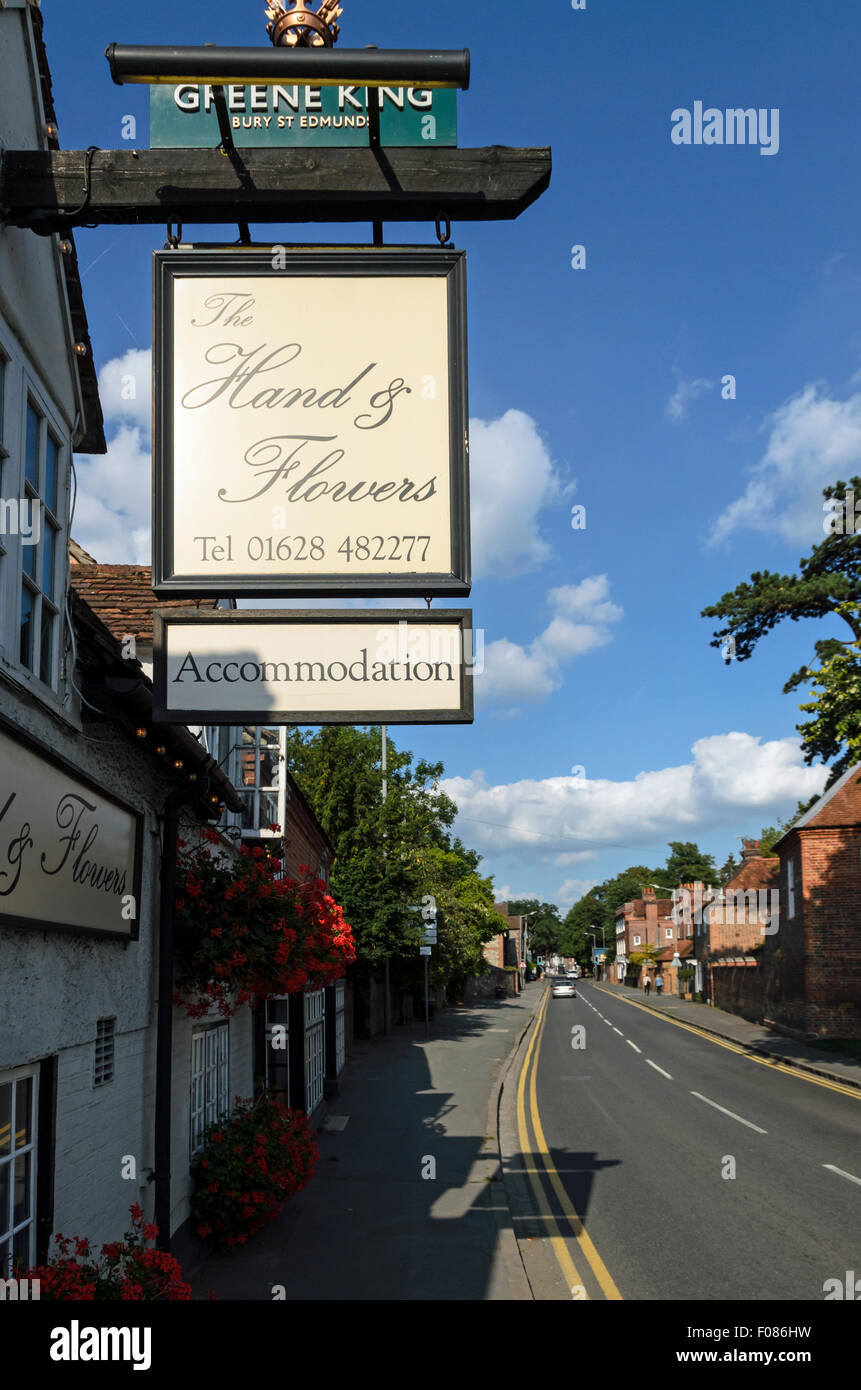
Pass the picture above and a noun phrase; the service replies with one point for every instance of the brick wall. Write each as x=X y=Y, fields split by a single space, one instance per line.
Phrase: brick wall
x=740 y=989
x=831 y=908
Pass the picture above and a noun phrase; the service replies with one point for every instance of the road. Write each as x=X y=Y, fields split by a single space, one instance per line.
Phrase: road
x=644 y=1126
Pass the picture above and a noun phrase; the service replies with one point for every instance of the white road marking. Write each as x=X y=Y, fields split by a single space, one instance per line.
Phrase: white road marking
x=660 y=1069
x=608 y=1023
x=832 y=1169
x=618 y=1030
x=731 y=1113
x=633 y=1045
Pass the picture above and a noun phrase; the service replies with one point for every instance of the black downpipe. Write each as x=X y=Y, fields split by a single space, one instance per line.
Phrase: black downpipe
x=164 y=1030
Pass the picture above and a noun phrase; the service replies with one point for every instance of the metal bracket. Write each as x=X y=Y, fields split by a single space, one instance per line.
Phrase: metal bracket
x=443 y=229
x=173 y=238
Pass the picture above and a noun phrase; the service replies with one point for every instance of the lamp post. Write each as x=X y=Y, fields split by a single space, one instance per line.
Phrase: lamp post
x=594 y=949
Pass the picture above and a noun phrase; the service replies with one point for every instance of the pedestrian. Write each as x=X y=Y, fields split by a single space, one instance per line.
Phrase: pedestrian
x=659 y=983
x=647 y=985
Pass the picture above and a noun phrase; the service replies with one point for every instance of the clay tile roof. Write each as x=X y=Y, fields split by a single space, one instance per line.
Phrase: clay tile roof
x=122 y=597
x=762 y=872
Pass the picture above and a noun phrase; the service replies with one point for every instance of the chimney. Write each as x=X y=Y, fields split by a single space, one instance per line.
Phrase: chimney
x=750 y=850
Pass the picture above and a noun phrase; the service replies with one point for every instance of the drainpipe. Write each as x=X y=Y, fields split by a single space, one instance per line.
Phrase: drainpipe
x=164 y=1025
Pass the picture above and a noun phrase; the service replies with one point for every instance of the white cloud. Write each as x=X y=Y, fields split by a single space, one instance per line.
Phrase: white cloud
x=733 y=780
x=512 y=480
x=572 y=890
x=513 y=673
x=814 y=440
x=125 y=388
x=113 y=504
x=685 y=392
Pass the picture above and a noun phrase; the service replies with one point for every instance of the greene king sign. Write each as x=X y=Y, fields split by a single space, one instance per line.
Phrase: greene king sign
x=311 y=423
x=316 y=666
x=184 y=116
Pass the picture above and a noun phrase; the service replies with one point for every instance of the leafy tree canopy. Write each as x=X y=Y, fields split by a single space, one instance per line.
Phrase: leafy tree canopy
x=828 y=582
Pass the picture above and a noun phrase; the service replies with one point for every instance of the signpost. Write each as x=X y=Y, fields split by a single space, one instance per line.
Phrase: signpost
x=311 y=413
x=314 y=666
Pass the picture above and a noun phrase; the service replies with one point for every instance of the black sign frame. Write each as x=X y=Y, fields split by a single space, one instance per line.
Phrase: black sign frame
x=238 y=262
x=353 y=617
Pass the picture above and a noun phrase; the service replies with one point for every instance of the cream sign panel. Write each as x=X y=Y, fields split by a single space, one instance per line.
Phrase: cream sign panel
x=313 y=667
x=69 y=854
x=311 y=432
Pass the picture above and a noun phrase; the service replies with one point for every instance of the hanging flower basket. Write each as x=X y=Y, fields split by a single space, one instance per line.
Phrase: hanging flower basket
x=244 y=933
x=250 y=1164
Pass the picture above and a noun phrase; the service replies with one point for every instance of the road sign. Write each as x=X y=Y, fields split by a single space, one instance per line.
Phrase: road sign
x=312 y=666
x=424 y=950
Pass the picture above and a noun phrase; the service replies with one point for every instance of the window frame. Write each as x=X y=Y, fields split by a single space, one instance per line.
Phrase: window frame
x=14 y=1076
x=211 y=1107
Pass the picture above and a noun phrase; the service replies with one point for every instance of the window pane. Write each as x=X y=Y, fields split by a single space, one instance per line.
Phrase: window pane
x=28 y=555
x=49 y=551
x=31 y=457
x=22 y=1254
x=5 y=1172
x=5 y=1122
x=2 y=398
x=21 y=1195
x=23 y=1108
x=52 y=471
x=26 y=627
x=46 y=646
x=5 y=1259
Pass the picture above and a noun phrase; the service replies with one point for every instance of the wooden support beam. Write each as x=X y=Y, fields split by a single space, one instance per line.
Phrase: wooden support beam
x=47 y=190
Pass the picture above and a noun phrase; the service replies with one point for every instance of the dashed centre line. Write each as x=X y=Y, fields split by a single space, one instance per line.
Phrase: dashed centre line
x=618 y=1030
x=660 y=1069
x=833 y=1169
x=634 y=1046
x=731 y=1114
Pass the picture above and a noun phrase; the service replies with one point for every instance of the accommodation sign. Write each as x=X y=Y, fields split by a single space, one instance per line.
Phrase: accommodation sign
x=184 y=117
x=317 y=666
x=69 y=852
x=311 y=422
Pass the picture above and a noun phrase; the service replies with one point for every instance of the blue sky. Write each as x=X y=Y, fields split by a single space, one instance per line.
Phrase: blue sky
x=599 y=387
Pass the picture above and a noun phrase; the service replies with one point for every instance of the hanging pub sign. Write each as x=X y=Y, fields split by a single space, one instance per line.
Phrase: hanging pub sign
x=310 y=422
x=312 y=666
x=70 y=853
x=184 y=116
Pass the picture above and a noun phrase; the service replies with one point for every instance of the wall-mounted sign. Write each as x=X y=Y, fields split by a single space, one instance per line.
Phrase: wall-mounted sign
x=317 y=666
x=311 y=423
x=69 y=852
x=184 y=117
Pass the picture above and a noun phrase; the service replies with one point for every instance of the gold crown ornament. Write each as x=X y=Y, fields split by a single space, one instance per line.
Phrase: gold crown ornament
x=302 y=27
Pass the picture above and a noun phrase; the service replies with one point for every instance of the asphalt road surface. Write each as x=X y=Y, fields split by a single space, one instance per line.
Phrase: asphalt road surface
x=645 y=1126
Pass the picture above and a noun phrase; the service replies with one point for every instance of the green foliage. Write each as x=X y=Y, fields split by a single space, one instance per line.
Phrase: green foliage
x=687 y=864
x=828 y=582
x=544 y=927
x=392 y=852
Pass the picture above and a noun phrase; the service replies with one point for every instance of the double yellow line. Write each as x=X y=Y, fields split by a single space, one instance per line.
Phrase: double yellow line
x=530 y=1157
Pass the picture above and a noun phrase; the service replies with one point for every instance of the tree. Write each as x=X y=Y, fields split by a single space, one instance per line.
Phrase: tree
x=687 y=864
x=544 y=927
x=728 y=871
x=828 y=582
x=391 y=853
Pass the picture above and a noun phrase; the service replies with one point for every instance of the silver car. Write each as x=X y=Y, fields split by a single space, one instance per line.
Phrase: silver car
x=564 y=988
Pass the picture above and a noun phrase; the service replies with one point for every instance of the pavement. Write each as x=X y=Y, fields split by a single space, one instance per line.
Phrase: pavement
x=407 y=1202
x=756 y=1037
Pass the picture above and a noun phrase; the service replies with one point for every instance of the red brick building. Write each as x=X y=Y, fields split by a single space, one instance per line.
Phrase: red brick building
x=647 y=921
x=812 y=964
